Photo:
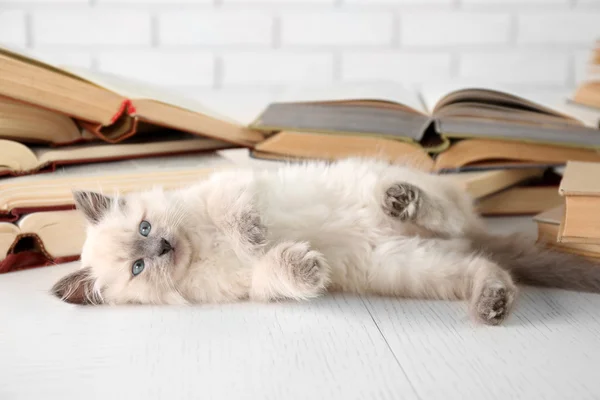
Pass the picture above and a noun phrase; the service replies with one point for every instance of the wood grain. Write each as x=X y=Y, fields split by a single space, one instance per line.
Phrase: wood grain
x=329 y=348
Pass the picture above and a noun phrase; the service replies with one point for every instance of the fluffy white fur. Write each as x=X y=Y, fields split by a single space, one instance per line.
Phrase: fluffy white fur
x=355 y=225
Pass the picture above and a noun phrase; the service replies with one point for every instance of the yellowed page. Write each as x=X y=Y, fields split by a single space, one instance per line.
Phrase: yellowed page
x=123 y=176
x=8 y=234
x=432 y=94
x=91 y=151
x=383 y=91
x=135 y=89
x=52 y=227
x=16 y=157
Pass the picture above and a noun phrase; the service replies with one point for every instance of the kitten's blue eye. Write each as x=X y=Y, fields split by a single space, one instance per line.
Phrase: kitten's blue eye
x=145 y=228
x=137 y=267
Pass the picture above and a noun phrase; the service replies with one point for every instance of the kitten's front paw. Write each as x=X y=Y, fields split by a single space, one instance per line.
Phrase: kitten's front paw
x=307 y=268
x=252 y=229
x=402 y=201
x=493 y=304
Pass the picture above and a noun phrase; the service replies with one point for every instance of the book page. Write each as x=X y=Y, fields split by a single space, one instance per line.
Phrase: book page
x=382 y=91
x=116 y=168
x=123 y=150
x=553 y=101
x=136 y=89
x=8 y=234
x=22 y=55
x=55 y=189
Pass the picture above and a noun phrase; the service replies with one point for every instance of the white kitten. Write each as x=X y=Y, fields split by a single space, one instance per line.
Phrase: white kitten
x=355 y=225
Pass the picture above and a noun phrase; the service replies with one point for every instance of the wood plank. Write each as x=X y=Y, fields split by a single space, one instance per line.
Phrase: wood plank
x=328 y=348
x=548 y=348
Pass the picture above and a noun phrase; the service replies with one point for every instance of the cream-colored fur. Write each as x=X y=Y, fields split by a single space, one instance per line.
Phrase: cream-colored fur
x=355 y=225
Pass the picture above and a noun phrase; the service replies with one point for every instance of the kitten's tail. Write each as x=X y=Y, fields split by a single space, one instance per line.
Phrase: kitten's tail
x=532 y=264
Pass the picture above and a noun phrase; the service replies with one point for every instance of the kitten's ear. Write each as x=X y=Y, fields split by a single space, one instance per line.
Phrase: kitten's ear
x=93 y=205
x=78 y=288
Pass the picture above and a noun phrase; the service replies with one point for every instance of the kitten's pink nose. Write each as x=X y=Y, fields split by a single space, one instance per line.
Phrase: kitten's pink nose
x=165 y=247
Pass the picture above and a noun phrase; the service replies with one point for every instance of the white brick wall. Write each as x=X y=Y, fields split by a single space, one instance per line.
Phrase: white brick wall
x=244 y=46
x=13 y=28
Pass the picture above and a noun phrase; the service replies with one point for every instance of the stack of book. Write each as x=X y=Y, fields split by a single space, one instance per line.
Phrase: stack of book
x=463 y=128
x=63 y=129
x=574 y=226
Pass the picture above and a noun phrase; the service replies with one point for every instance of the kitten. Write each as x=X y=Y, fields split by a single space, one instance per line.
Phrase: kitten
x=355 y=225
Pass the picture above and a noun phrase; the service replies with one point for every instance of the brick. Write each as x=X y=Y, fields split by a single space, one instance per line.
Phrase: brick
x=398 y=2
x=76 y=59
x=170 y=2
x=509 y=67
x=515 y=2
x=395 y=66
x=336 y=28
x=276 y=68
x=262 y=2
x=12 y=28
x=97 y=27
x=454 y=28
x=161 y=68
x=45 y=1
x=215 y=28
x=558 y=27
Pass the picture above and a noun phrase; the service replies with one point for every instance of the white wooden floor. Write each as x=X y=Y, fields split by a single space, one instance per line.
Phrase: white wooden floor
x=338 y=347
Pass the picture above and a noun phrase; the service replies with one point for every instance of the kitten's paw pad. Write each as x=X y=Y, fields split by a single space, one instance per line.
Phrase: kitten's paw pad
x=401 y=201
x=306 y=267
x=252 y=228
x=494 y=303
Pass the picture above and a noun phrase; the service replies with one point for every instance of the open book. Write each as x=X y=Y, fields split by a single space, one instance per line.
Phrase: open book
x=430 y=120
x=39 y=239
x=529 y=197
x=18 y=159
x=463 y=155
x=109 y=107
x=52 y=192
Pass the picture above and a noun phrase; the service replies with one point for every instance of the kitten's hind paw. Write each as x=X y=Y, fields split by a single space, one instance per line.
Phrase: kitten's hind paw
x=401 y=200
x=307 y=269
x=493 y=304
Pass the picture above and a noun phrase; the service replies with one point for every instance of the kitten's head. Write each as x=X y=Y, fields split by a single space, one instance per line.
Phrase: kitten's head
x=137 y=249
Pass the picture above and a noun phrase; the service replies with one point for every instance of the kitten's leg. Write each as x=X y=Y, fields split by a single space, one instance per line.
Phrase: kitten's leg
x=231 y=205
x=289 y=270
x=442 y=269
x=446 y=211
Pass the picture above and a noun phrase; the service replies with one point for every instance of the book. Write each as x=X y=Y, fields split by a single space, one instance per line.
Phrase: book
x=548 y=226
x=481 y=184
x=430 y=121
x=580 y=189
x=588 y=92
x=19 y=159
x=528 y=197
x=464 y=155
x=26 y=124
x=39 y=239
x=520 y=200
x=292 y=145
x=53 y=192
x=108 y=106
